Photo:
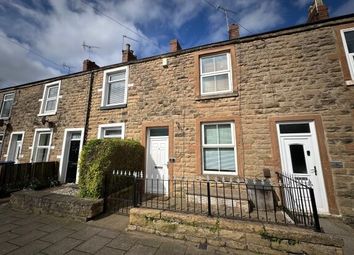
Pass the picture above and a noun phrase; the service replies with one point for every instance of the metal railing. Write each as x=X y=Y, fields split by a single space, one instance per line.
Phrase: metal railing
x=229 y=197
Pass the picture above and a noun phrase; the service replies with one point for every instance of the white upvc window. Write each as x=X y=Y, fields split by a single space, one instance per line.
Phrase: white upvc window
x=50 y=99
x=115 y=87
x=7 y=105
x=215 y=74
x=1 y=142
x=41 y=145
x=219 y=148
x=348 y=41
x=114 y=130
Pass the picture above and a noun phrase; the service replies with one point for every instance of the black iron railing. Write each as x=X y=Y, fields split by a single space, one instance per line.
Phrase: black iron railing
x=229 y=197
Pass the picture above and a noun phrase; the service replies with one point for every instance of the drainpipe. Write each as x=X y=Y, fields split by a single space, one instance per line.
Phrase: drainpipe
x=88 y=106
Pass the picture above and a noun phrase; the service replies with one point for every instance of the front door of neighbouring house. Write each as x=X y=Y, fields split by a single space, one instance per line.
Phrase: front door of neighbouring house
x=157 y=161
x=15 y=146
x=300 y=158
x=72 y=146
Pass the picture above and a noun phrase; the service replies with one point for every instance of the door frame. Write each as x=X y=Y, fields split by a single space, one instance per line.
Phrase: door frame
x=65 y=151
x=323 y=154
x=144 y=141
x=10 y=140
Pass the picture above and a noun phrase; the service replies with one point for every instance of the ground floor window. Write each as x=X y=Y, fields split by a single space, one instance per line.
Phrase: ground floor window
x=114 y=130
x=41 y=145
x=219 y=148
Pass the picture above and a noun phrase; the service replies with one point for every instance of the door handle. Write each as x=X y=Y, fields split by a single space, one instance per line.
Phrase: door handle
x=157 y=167
x=314 y=170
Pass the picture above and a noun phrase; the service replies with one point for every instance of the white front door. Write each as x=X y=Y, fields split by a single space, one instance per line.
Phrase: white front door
x=15 y=147
x=157 y=161
x=300 y=157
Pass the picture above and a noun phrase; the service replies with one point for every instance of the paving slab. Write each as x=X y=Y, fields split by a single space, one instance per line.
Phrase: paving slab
x=57 y=235
x=63 y=246
x=171 y=248
x=141 y=249
x=27 y=238
x=122 y=242
x=110 y=251
x=6 y=236
x=86 y=233
x=7 y=227
x=6 y=247
x=94 y=244
x=32 y=248
x=30 y=227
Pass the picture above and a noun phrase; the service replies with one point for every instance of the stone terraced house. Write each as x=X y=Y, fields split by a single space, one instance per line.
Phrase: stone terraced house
x=282 y=100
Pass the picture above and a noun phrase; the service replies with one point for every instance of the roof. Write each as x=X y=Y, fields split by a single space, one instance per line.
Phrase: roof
x=261 y=36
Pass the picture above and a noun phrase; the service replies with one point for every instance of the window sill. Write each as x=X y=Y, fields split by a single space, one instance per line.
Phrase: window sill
x=4 y=118
x=46 y=114
x=217 y=96
x=349 y=82
x=113 y=107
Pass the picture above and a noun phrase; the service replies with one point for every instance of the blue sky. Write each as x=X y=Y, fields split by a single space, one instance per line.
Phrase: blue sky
x=37 y=37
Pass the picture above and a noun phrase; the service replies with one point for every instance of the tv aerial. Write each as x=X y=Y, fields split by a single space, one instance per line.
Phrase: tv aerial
x=89 y=48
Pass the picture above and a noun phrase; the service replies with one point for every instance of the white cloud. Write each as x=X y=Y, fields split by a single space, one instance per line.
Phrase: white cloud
x=302 y=3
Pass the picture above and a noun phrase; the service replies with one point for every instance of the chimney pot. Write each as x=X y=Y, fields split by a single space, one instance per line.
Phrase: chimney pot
x=174 y=45
x=89 y=65
x=317 y=11
x=128 y=54
x=234 y=31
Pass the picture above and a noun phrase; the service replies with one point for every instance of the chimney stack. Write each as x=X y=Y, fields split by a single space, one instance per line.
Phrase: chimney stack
x=174 y=45
x=234 y=31
x=89 y=65
x=128 y=54
x=317 y=11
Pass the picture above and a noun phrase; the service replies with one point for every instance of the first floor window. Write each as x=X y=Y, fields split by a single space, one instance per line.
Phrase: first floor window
x=111 y=131
x=215 y=74
x=348 y=41
x=50 y=98
x=7 y=105
x=115 y=87
x=42 y=146
x=218 y=148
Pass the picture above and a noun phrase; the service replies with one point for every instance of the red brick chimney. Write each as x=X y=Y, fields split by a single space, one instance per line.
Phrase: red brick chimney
x=234 y=31
x=174 y=45
x=128 y=54
x=317 y=11
x=89 y=65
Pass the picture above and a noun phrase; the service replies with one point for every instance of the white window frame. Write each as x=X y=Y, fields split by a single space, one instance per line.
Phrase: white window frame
x=233 y=145
x=349 y=56
x=102 y=128
x=36 y=141
x=44 y=99
x=3 y=103
x=106 y=73
x=228 y=71
x=10 y=141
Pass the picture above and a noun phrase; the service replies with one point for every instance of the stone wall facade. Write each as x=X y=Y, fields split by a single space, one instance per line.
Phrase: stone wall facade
x=295 y=74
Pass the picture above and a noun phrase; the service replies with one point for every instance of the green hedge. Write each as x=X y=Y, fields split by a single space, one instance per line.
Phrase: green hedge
x=101 y=156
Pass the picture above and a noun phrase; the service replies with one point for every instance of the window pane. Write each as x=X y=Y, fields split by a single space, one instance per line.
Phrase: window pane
x=1 y=138
x=53 y=91
x=9 y=96
x=208 y=65
x=211 y=159
x=221 y=63
x=116 y=91
x=222 y=82
x=41 y=154
x=227 y=159
x=298 y=159
x=76 y=136
x=50 y=105
x=208 y=84
x=349 y=37
x=225 y=134
x=6 y=108
x=44 y=139
x=19 y=137
x=113 y=132
x=210 y=134
x=159 y=132
x=117 y=76
x=294 y=128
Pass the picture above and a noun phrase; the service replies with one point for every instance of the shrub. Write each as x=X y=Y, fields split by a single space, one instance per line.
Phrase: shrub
x=102 y=156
